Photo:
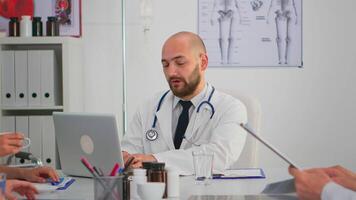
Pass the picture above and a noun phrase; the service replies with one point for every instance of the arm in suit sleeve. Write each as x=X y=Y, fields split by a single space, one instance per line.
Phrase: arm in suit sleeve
x=226 y=142
x=333 y=191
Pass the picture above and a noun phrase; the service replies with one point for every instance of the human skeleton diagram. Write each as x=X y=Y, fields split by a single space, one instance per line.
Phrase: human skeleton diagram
x=225 y=12
x=285 y=13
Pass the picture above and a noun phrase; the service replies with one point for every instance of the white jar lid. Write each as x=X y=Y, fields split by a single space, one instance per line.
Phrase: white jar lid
x=25 y=17
x=139 y=172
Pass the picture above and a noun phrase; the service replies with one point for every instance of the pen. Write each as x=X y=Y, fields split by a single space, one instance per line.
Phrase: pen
x=97 y=171
x=128 y=163
x=114 y=169
x=101 y=171
x=121 y=170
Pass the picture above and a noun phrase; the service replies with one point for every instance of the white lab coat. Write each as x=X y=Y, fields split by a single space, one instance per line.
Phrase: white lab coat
x=221 y=135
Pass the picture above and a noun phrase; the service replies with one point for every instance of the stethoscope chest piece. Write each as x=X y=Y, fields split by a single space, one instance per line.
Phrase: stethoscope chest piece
x=151 y=135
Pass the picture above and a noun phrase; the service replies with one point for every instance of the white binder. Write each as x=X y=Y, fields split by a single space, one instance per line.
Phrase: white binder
x=34 y=78
x=35 y=134
x=21 y=125
x=7 y=125
x=49 y=142
x=21 y=78
x=8 y=78
x=49 y=79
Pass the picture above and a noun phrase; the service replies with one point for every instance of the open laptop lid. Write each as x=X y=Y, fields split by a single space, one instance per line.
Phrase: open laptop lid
x=94 y=136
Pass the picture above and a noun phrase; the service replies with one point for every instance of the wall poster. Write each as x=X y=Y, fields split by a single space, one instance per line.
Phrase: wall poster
x=251 y=32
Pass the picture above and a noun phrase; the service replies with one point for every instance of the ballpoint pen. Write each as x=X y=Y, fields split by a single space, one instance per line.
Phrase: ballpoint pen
x=114 y=169
x=97 y=171
x=128 y=163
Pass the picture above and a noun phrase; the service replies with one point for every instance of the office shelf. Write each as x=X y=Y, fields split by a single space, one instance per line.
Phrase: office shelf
x=36 y=121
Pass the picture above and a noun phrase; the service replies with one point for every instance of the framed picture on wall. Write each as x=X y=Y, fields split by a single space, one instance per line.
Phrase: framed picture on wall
x=68 y=13
x=252 y=33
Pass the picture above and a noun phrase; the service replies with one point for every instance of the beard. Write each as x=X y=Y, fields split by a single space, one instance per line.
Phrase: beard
x=188 y=88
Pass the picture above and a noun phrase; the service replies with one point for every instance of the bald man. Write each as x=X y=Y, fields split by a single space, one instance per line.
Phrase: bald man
x=191 y=116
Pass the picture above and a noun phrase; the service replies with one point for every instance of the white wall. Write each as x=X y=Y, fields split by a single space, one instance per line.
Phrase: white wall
x=308 y=113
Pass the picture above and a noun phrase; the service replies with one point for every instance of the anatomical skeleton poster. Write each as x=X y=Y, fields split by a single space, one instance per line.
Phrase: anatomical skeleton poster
x=251 y=32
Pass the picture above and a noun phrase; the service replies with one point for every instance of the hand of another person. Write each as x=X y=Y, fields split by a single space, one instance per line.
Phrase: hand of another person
x=10 y=143
x=139 y=158
x=342 y=176
x=40 y=174
x=338 y=171
x=309 y=184
x=24 y=188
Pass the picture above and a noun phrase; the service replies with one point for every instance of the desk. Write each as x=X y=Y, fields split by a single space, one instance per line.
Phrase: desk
x=83 y=188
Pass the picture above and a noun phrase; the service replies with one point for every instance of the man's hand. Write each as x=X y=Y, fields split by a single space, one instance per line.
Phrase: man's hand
x=139 y=158
x=309 y=184
x=125 y=156
x=22 y=187
x=10 y=143
x=40 y=174
x=342 y=176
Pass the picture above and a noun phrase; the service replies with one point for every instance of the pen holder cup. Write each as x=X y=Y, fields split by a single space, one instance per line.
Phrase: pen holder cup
x=111 y=188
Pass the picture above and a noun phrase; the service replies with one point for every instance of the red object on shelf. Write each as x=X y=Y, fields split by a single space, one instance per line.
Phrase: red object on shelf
x=16 y=8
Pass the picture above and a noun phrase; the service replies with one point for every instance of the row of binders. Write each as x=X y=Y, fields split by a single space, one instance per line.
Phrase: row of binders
x=30 y=78
x=40 y=129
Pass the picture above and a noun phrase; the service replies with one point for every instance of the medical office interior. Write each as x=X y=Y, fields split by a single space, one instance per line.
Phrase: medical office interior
x=307 y=112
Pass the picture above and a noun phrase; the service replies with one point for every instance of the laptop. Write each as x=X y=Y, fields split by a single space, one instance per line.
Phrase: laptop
x=94 y=136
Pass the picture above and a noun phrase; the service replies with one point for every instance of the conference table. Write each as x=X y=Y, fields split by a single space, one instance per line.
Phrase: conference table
x=83 y=188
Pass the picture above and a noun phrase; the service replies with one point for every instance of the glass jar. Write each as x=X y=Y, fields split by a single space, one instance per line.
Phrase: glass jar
x=52 y=26
x=156 y=173
x=37 y=27
x=14 y=27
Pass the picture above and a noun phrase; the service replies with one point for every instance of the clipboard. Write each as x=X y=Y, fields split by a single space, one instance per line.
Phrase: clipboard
x=275 y=150
x=245 y=173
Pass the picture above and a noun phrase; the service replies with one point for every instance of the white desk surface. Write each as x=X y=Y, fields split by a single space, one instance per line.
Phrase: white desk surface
x=83 y=188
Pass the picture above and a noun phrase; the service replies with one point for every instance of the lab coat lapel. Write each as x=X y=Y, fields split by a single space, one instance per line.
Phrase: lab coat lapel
x=200 y=119
x=164 y=117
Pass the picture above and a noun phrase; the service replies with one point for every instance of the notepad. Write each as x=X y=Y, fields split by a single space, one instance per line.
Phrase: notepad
x=241 y=174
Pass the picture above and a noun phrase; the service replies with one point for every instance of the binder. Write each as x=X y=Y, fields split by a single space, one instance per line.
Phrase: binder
x=48 y=142
x=34 y=79
x=8 y=78
x=35 y=134
x=7 y=125
x=49 y=79
x=21 y=78
x=21 y=125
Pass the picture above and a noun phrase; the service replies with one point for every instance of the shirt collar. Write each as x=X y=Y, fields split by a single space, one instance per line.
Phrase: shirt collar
x=195 y=100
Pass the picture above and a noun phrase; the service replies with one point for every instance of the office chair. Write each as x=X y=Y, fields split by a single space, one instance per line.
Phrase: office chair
x=249 y=157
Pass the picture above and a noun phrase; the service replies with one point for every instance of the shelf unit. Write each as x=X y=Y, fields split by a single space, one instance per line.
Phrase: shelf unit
x=67 y=53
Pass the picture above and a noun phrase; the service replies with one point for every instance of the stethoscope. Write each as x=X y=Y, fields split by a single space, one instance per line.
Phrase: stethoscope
x=152 y=133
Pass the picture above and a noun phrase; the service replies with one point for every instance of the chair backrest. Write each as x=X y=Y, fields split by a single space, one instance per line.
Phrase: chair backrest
x=249 y=157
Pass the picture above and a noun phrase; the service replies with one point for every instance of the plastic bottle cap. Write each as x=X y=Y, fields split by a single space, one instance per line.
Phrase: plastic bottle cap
x=36 y=18
x=27 y=17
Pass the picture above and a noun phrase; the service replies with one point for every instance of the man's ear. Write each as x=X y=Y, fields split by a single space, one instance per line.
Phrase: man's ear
x=204 y=61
